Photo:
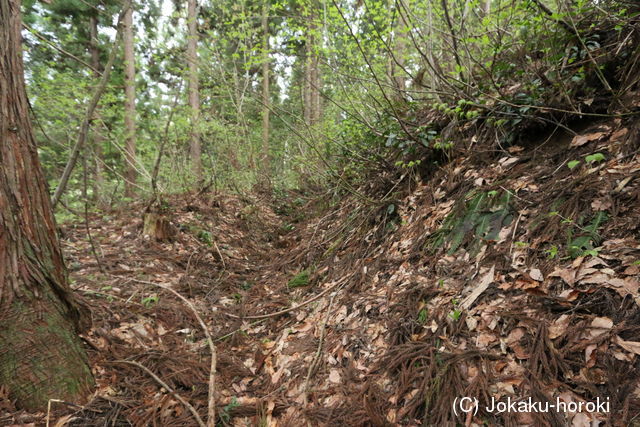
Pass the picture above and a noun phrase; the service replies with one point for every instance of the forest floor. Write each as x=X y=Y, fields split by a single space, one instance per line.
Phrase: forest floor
x=503 y=276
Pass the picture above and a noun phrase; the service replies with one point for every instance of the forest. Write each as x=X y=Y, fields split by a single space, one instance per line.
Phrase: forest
x=319 y=212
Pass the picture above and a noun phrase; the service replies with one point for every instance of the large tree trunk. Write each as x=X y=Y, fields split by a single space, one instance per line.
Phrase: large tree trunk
x=266 y=104
x=195 y=149
x=41 y=357
x=130 y=105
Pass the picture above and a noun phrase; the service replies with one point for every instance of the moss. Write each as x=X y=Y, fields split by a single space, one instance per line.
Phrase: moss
x=42 y=357
x=299 y=280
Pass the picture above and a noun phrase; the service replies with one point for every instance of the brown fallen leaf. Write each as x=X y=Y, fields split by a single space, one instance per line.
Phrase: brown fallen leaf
x=499 y=366
x=600 y=326
x=581 y=420
x=568 y=276
x=569 y=294
x=334 y=376
x=486 y=280
x=520 y=351
x=484 y=339
x=617 y=135
x=630 y=346
x=515 y=335
x=515 y=149
x=602 y=323
x=628 y=285
x=559 y=326
x=536 y=275
x=580 y=140
x=632 y=270
x=601 y=205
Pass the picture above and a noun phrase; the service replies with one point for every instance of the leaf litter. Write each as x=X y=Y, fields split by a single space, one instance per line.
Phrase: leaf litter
x=388 y=330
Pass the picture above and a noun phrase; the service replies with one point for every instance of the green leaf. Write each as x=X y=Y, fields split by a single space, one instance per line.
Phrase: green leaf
x=573 y=163
x=594 y=158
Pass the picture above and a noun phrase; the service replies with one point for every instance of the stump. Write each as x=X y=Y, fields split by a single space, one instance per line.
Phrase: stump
x=158 y=227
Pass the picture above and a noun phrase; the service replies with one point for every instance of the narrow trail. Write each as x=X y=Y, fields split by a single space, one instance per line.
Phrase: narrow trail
x=507 y=277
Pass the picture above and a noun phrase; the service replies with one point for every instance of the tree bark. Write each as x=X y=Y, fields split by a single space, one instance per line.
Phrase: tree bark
x=266 y=105
x=400 y=48
x=98 y=139
x=130 y=174
x=306 y=87
x=195 y=149
x=41 y=357
x=312 y=107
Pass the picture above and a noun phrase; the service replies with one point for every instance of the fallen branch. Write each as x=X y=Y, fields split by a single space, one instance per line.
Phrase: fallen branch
x=211 y=412
x=169 y=389
x=315 y=363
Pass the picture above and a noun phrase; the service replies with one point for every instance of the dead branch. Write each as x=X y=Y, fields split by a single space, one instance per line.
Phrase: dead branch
x=93 y=103
x=169 y=389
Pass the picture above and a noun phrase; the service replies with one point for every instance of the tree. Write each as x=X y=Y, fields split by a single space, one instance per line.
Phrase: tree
x=400 y=47
x=98 y=139
x=195 y=149
x=266 y=105
x=129 y=105
x=312 y=108
x=41 y=356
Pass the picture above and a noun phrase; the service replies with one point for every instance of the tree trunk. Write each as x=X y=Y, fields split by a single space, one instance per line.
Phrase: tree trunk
x=306 y=87
x=98 y=139
x=130 y=174
x=313 y=66
x=310 y=64
x=266 y=105
x=195 y=150
x=400 y=49
x=315 y=86
x=41 y=357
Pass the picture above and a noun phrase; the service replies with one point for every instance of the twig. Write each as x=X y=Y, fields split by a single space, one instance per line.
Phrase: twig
x=224 y=266
x=513 y=236
x=395 y=113
x=559 y=167
x=564 y=24
x=169 y=389
x=290 y=309
x=316 y=359
x=59 y=49
x=516 y=196
x=220 y=338
x=454 y=38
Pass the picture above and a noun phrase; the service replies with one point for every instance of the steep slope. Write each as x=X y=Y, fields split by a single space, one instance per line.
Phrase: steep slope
x=502 y=278
x=505 y=279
